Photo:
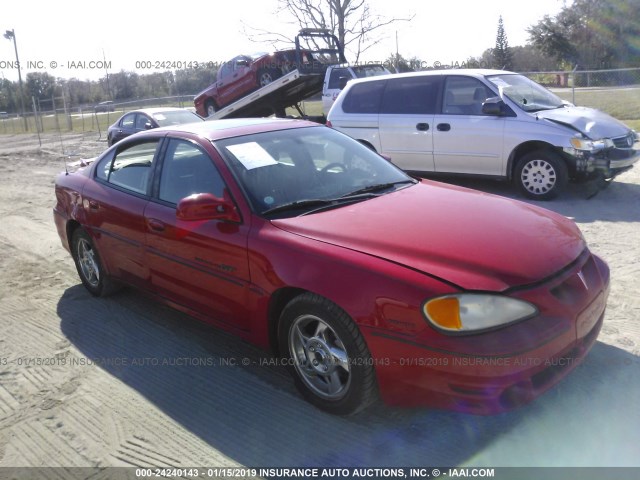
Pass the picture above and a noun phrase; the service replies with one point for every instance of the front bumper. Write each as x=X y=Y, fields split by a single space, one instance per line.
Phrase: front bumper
x=610 y=162
x=510 y=367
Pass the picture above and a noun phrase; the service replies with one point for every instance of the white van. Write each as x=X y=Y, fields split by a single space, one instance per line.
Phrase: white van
x=484 y=122
x=337 y=77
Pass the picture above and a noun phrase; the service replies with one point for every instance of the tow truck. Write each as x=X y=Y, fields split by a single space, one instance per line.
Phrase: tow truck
x=288 y=90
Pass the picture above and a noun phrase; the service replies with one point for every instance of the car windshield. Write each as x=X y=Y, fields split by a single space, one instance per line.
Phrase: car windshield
x=296 y=171
x=529 y=95
x=175 y=117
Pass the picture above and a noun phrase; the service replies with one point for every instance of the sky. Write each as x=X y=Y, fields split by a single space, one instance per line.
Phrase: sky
x=79 y=38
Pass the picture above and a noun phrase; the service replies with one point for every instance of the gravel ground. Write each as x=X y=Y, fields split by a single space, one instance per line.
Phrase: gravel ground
x=79 y=383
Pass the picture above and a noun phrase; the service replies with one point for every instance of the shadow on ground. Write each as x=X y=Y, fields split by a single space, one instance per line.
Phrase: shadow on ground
x=252 y=414
x=604 y=204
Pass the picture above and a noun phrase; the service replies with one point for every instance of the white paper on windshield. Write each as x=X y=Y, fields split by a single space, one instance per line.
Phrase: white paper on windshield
x=159 y=116
x=252 y=155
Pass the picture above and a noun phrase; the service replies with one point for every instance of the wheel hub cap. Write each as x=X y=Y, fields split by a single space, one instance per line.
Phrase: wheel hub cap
x=321 y=358
x=538 y=176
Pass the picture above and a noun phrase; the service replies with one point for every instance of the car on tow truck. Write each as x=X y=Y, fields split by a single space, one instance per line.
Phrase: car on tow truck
x=244 y=74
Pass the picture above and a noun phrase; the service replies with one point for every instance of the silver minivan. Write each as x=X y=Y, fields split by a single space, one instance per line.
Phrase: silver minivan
x=490 y=123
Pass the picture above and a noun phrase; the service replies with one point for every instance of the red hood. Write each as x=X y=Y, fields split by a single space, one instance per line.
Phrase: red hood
x=474 y=240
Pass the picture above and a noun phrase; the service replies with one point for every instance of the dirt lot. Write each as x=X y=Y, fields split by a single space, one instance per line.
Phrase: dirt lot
x=124 y=381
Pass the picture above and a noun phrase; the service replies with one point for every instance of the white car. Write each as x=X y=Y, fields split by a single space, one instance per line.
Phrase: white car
x=490 y=123
x=337 y=76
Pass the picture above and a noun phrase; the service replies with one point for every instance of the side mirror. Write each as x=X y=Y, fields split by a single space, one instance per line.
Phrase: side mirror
x=493 y=106
x=205 y=206
x=148 y=126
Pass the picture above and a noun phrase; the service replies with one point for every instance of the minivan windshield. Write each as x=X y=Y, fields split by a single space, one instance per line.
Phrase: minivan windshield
x=529 y=95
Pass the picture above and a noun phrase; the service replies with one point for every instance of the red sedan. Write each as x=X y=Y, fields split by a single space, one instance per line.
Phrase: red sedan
x=364 y=280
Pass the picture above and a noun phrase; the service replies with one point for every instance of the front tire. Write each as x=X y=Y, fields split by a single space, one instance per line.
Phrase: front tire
x=210 y=108
x=89 y=265
x=541 y=175
x=327 y=355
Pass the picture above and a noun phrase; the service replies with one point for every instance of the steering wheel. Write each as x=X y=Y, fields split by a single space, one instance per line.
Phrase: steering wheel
x=328 y=167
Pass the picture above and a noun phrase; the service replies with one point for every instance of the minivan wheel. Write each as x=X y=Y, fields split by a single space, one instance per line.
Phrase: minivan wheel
x=541 y=175
x=327 y=355
x=89 y=265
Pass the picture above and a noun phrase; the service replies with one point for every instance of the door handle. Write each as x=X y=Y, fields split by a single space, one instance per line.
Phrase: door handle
x=155 y=225
x=443 y=127
x=93 y=205
x=423 y=127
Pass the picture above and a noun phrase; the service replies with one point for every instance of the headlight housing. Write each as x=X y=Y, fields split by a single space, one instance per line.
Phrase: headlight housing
x=584 y=144
x=469 y=313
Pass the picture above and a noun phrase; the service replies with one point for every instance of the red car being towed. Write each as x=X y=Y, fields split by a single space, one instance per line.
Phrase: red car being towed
x=364 y=280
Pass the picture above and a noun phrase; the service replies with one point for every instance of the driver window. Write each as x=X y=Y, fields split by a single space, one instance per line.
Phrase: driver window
x=187 y=170
x=464 y=96
x=141 y=121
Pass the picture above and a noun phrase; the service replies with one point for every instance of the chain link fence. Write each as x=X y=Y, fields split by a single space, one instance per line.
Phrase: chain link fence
x=56 y=116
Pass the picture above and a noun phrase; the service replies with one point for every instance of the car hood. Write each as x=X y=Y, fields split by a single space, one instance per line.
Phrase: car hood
x=474 y=240
x=589 y=121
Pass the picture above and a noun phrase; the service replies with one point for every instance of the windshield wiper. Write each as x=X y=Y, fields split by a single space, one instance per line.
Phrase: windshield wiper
x=313 y=202
x=321 y=203
x=377 y=188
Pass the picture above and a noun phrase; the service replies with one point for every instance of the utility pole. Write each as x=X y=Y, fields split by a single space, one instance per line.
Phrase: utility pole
x=11 y=35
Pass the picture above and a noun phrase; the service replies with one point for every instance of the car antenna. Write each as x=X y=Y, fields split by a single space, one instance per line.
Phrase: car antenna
x=64 y=160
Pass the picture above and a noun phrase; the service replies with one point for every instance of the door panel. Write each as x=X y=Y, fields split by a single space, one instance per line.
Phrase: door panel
x=465 y=140
x=116 y=203
x=406 y=121
x=199 y=264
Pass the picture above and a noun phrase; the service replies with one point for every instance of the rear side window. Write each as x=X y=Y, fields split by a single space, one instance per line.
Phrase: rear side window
x=128 y=121
x=334 y=79
x=131 y=167
x=364 y=98
x=411 y=95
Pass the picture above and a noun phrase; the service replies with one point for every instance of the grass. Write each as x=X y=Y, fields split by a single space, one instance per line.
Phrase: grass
x=620 y=103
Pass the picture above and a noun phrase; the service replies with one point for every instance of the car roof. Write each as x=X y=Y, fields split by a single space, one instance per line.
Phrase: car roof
x=151 y=111
x=468 y=72
x=227 y=128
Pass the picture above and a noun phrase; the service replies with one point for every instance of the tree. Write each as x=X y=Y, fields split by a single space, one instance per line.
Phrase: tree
x=40 y=85
x=397 y=62
x=592 y=34
x=352 y=21
x=502 y=57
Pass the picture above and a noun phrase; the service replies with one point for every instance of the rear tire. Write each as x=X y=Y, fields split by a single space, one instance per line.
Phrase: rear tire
x=327 y=355
x=89 y=265
x=541 y=175
x=266 y=76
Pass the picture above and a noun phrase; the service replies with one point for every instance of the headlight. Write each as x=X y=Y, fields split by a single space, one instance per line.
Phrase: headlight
x=590 y=145
x=467 y=313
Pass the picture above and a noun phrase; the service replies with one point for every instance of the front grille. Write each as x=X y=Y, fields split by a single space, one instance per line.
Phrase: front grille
x=624 y=142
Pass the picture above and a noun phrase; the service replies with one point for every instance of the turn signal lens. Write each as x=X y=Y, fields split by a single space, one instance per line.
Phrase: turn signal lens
x=445 y=312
